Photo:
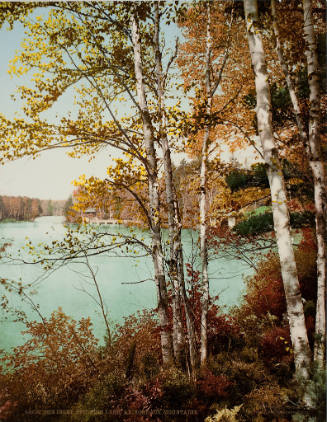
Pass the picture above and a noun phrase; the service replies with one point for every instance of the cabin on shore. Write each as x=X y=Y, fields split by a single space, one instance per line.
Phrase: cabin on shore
x=90 y=213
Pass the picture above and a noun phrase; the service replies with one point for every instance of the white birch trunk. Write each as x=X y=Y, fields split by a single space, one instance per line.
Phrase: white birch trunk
x=176 y=262
x=319 y=177
x=289 y=82
x=173 y=226
x=157 y=254
x=302 y=354
x=203 y=203
x=204 y=251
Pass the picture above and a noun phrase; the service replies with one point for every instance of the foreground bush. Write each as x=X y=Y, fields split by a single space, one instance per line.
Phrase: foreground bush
x=249 y=376
x=263 y=223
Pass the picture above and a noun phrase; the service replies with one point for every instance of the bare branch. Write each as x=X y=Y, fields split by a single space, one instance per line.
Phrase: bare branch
x=137 y=282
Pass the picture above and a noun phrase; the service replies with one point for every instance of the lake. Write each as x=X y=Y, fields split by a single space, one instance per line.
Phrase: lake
x=64 y=287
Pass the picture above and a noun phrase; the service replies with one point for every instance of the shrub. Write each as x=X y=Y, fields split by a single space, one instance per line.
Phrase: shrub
x=302 y=219
x=255 y=225
x=265 y=292
x=263 y=223
x=259 y=175
x=53 y=367
x=264 y=403
x=213 y=386
x=306 y=256
x=262 y=314
x=176 y=388
x=150 y=365
x=275 y=345
x=317 y=391
x=136 y=345
x=224 y=415
x=237 y=180
x=223 y=332
x=240 y=179
x=7 y=407
x=104 y=395
x=250 y=359
x=280 y=100
x=242 y=376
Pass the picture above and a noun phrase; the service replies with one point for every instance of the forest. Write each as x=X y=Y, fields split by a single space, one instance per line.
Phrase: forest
x=164 y=89
x=18 y=208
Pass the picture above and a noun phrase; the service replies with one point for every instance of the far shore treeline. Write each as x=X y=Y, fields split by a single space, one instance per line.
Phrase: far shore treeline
x=23 y=208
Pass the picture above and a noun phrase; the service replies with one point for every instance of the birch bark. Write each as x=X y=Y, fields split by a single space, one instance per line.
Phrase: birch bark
x=173 y=230
x=302 y=354
x=289 y=82
x=176 y=261
x=203 y=202
x=319 y=177
x=157 y=254
x=212 y=83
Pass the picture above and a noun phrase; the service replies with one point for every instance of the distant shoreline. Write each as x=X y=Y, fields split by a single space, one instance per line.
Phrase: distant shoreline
x=14 y=220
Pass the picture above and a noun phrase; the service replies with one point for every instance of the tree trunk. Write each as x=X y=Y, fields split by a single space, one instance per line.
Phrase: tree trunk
x=300 y=344
x=319 y=177
x=289 y=82
x=157 y=254
x=176 y=260
x=173 y=229
x=313 y=148
x=203 y=201
x=100 y=303
x=203 y=249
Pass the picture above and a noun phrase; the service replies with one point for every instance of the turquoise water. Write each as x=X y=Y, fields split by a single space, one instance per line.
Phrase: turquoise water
x=64 y=287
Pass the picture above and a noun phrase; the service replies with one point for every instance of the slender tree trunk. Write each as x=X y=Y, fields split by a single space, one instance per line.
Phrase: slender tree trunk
x=319 y=177
x=300 y=344
x=313 y=149
x=176 y=261
x=173 y=229
x=203 y=249
x=203 y=201
x=289 y=82
x=157 y=254
x=100 y=303
x=211 y=86
x=174 y=257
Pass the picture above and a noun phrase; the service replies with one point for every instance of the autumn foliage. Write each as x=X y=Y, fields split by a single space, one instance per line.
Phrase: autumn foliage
x=62 y=365
x=109 y=54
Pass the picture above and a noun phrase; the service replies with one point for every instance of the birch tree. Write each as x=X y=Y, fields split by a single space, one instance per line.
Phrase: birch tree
x=319 y=177
x=212 y=83
x=203 y=198
x=302 y=354
x=312 y=145
x=154 y=200
x=209 y=39
x=176 y=260
x=288 y=78
x=101 y=58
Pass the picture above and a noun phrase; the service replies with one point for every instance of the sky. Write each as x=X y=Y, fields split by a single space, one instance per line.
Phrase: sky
x=49 y=176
